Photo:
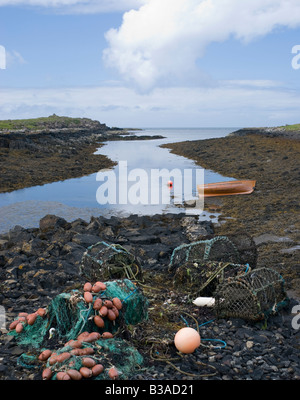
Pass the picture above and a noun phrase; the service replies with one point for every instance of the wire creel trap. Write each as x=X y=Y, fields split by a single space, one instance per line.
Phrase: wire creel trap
x=202 y=279
x=238 y=249
x=104 y=261
x=252 y=296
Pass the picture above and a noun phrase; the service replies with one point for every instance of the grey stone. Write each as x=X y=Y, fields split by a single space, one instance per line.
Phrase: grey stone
x=86 y=240
x=50 y=222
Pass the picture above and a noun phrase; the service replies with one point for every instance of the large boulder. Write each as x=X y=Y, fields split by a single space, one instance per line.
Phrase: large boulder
x=52 y=222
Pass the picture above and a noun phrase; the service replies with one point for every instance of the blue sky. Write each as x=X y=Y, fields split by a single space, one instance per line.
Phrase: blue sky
x=152 y=63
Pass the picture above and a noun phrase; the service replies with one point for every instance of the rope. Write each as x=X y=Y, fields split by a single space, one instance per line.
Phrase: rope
x=129 y=295
x=206 y=339
x=216 y=340
x=180 y=370
x=21 y=361
x=84 y=319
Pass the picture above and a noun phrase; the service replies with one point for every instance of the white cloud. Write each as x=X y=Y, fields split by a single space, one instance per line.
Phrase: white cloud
x=161 y=42
x=230 y=103
x=13 y=57
x=257 y=83
x=78 y=6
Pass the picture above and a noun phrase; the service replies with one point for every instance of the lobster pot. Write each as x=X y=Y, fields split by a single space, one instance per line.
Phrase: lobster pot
x=253 y=296
x=237 y=249
x=104 y=261
x=202 y=279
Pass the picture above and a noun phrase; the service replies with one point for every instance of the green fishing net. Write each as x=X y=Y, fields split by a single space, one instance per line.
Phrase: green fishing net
x=69 y=314
x=110 y=353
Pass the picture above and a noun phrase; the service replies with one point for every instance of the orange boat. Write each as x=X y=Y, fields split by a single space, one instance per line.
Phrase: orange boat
x=228 y=188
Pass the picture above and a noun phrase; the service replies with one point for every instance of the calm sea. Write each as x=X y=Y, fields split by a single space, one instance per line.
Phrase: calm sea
x=77 y=198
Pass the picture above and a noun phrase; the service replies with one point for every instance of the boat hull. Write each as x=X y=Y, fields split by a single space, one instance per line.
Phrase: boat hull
x=228 y=188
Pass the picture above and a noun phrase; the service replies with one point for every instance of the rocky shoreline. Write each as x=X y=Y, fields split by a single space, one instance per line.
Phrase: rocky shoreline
x=39 y=263
x=269 y=132
x=271 y=213
x=52 y=155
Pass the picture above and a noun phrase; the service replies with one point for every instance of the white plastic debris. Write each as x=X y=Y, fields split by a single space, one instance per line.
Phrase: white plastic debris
x=204 y=301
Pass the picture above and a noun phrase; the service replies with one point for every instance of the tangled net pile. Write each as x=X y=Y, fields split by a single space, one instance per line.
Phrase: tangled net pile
x=88 y=321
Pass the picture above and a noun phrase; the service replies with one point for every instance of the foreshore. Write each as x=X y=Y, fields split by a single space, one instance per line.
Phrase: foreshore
x=31 y=159
x=271 y=213
x=39 y=263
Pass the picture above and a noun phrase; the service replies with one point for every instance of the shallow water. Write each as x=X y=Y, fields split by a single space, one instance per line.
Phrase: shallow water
x=74 y=198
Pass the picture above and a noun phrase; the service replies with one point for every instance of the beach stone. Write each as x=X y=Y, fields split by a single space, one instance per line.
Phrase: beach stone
x=249 y=344
x=260 y=338
x=86 y=240
x=93 y=227
x=50 y=222
x=108 y=233
x=71 y=247
x=16 y=351
x=267 y=237
x=79 y=225
x=3 y=369
x=189 y=203
x=33 y=247
x=291 y=250
x=257 y=374
x=17 y=235
x=3 y=243
x=144 y=239
x=226 y=378
x=196 y=230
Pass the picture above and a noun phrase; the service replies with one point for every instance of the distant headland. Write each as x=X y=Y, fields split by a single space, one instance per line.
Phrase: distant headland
x=287 y=131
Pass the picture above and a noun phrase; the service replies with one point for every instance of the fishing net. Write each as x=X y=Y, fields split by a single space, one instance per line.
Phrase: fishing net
x=202 y=279
x=237 y=249
x=69 y=314
x=109 y=353
x=252 y=296
x=104 y=261
x=33 y=335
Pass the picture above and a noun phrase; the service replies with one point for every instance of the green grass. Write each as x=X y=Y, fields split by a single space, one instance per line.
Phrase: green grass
x=39 y=123
x=295 y=127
